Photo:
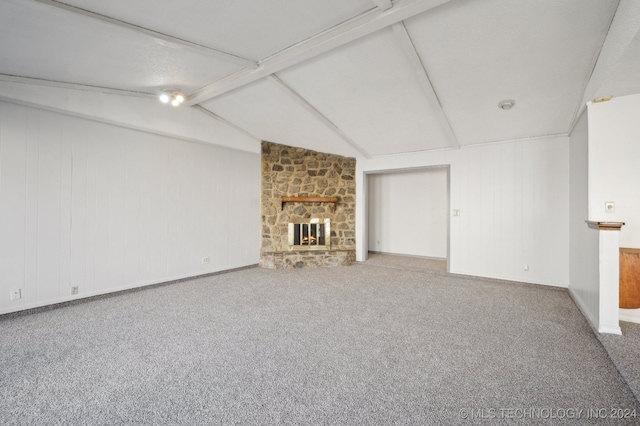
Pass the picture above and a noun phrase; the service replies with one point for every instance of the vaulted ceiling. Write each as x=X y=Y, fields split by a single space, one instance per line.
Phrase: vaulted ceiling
x=357 y=77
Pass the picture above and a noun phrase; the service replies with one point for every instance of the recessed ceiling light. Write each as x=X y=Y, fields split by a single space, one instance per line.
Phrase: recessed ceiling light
x=506 y=104
x=164 y=98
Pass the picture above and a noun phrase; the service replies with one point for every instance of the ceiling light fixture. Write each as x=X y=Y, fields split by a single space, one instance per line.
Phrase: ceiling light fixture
x=507 y=104
x=173 y=96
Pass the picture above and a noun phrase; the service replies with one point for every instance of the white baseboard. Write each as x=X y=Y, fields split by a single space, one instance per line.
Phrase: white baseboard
x=610 y=329
x=101 y=292
x=588 y=315
x=601 y=328
x=630 y=315
x=415 y=256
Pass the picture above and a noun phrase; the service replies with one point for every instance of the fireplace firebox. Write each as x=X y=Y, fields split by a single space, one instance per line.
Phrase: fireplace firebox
x=310 y=234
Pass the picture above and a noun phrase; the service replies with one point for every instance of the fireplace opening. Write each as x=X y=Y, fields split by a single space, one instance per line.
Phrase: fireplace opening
x=310 y=234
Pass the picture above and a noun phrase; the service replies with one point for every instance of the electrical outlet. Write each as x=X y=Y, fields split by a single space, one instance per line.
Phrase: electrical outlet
x=205 y=260
x=16 y=294
x=74 y=289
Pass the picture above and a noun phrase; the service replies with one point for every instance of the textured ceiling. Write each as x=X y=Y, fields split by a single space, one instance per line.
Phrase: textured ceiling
x=368 y=89
x=357 y=78
x=479 y=53
x=625 y=78
x=248 y=28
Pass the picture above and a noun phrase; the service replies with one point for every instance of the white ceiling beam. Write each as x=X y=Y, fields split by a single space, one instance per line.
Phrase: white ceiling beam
x=337 y=36
x=74 y=86
x=174 y=42
x=624 y=28
x=316 y=113
x=145 y=115
x=225 y=121
x=383 y=4
x=423 y=78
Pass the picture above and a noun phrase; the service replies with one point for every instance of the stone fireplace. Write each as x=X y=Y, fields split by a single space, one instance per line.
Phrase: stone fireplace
x=307 y=208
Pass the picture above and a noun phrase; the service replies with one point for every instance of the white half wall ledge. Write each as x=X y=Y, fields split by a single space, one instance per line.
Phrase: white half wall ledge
x=609 y=276
x=605 y=226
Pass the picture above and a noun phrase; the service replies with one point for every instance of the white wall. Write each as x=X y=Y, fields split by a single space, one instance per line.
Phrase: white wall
x=408 y=212
x=614 y=160
x=108 y=208
x=614 y=172
x=513 y=199
x=583 y=242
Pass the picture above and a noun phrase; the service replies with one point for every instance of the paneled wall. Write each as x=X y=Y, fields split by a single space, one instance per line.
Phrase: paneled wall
x=408 y=212
x=614 y=155
x=584 y=242
x=513 y=199
x=614 y=175
x=106 y=208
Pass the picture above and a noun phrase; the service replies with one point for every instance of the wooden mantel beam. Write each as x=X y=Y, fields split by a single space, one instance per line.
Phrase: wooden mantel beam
x=287 y=199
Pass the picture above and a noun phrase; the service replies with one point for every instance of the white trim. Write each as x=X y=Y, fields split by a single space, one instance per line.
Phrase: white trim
x=362 y=202
x=581 y=306
x=74 y=86
x=477 y=145
x=413 y=57
x=528 y=138
x=349 y=31
x=623 y=28
x=630 y=315
x=118 y=124
x=117 y=289
x=575 y=122
x=174 y=42
x=316 y=113
x=610 y=329
x=589 y=78
x=414 y=256
x=225 y=121
x=383 y=4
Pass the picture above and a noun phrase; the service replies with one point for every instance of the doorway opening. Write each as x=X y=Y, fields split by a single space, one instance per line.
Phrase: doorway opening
x=407 y=217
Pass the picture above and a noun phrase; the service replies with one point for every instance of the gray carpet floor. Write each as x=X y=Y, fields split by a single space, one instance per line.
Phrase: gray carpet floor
x=359 y=345
x=406 y=262
x=625 y=353
x=623 y=350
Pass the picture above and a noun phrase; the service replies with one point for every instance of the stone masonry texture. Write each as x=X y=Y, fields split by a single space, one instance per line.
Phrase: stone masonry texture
x=299 y=172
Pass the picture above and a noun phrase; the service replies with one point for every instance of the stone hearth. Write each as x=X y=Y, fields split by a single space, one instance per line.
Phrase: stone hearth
x=298 y=172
